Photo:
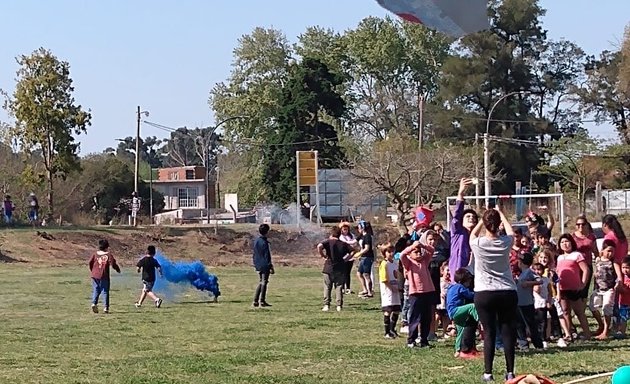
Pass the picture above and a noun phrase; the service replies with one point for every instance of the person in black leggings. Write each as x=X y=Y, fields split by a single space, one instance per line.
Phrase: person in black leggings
x=495 y=290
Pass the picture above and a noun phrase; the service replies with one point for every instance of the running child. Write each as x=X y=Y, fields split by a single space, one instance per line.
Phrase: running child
x=99 y=271
x=390 y=295
x=148 y=265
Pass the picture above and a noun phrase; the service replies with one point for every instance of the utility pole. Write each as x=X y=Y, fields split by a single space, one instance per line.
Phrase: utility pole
x=486 y=168
x=137 y=164
x=477 y=185
x=420 y=119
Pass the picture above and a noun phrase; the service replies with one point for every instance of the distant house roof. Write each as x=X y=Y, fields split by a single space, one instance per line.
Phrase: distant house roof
x=181 y=181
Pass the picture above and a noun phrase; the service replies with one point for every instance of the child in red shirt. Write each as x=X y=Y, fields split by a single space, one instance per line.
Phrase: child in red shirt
x=624 y=298
x=99 y=271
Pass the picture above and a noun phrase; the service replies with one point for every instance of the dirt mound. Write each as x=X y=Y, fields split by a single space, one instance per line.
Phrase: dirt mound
x=223 y=246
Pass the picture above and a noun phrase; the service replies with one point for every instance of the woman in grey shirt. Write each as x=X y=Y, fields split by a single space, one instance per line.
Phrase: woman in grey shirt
x=495 y=290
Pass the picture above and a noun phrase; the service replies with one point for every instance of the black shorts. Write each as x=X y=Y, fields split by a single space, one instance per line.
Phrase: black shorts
x=571 y=295
x=584 y=292
x=391 y=308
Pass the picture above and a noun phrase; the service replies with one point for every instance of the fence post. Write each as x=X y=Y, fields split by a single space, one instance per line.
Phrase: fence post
x=598 y=199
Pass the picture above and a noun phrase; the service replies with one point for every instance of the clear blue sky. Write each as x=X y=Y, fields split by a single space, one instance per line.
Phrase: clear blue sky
x=167 y=55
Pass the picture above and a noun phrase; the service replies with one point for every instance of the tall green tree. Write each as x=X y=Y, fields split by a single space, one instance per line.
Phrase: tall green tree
x=513 y=58
x=391 y=66
x=150 y=150
x=601 y=96
x=253 y=89
x=47 y=117
x=624 y=73
x=309 y=90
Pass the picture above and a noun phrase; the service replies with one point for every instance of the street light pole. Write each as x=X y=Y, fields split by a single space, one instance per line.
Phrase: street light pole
x=137 y=164
x=139 y=113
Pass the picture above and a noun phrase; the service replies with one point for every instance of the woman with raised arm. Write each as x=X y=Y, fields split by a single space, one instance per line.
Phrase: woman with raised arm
x=464 y=220
x=495 y=290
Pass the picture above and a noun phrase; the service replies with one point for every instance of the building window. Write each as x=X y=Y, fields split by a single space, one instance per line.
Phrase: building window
x=173 y=176
x=187 y=197
x=190 y=174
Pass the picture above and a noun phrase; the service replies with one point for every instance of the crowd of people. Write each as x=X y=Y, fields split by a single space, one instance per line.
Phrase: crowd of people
x=484 y=277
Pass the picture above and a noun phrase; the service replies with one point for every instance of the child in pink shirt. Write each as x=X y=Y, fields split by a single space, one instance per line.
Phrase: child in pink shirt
x=416 y=259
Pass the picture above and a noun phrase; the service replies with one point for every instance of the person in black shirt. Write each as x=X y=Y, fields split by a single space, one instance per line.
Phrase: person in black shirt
x=148 y=265
x=366 y=259
x=335 y=253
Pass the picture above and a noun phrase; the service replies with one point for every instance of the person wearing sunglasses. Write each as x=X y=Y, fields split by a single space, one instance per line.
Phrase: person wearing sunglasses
x=586 y=245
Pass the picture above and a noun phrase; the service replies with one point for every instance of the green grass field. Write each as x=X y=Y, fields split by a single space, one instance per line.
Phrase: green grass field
x=48 y=335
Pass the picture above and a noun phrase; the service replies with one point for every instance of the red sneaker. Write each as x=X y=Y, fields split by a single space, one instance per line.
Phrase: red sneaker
x=469 y=355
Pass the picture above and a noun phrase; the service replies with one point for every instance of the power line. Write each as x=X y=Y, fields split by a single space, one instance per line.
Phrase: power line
x=170 y=129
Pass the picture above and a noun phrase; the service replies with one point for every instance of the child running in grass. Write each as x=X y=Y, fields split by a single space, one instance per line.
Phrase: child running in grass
x=99 y=271
x=390 y=295
x=148 y=265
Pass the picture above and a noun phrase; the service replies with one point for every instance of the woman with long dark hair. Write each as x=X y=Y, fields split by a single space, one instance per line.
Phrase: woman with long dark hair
x=366 y=259
x=613 y=231
x=587 y=246
x=348 y=238
x=495 y=290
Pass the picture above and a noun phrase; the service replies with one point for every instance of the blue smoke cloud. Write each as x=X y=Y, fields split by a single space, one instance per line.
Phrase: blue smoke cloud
x=193 y=273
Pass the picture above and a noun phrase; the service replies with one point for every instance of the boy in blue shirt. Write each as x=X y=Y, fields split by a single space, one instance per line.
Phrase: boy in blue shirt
x=460 y=308
x=525 y=290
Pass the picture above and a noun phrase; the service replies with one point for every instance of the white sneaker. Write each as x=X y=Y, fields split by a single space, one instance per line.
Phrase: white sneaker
x=545 y=345
x=404 y=329
x=339 y=308
x=562 y=343
x=326 y=308
x=138 y=305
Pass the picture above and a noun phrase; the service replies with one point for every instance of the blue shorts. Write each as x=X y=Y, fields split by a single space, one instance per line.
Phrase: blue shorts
x=148 y=285
x=624 y=313
x=365 y=264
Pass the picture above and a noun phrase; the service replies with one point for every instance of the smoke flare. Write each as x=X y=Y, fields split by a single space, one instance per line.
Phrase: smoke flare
x=186 y=272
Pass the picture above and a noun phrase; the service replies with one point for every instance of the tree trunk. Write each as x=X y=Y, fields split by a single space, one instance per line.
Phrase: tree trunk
x=51 y=206
x=581 y=192
x=402 y=211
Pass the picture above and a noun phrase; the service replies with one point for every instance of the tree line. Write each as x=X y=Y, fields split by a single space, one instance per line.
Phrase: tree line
x=399 y=105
